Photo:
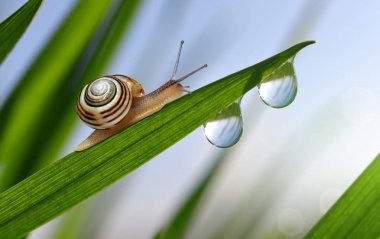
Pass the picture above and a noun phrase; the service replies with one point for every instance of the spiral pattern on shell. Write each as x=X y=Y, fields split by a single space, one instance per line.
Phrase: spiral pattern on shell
x=104 y=102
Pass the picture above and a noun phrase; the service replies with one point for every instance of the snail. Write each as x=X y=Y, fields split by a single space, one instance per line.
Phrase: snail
x=111 y=103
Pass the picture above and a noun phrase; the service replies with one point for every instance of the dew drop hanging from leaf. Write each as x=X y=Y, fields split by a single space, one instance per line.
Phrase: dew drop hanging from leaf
x=226 y=128
x=279 y=89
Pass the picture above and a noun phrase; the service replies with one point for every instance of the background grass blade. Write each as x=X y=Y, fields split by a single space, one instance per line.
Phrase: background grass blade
x=35 y=104
x=92 y=64
x=181 y=221
x=357 y=213
x=12 y=28
x=79 y=175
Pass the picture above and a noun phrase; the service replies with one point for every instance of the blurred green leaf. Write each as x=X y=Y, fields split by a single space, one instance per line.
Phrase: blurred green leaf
x=30 y=114
x=92 y=63
x=79 y=175
x=74 y=221
x=12 y=28
x=357 y=212
x=181 y=221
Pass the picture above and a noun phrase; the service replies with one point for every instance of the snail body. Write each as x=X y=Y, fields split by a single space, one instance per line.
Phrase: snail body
x=112 y=103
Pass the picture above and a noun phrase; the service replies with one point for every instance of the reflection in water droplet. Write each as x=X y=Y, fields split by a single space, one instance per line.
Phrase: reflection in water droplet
x=279 y=89
x=226 y=128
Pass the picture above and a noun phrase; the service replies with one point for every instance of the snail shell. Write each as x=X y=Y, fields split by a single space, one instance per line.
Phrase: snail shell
x=112 y=103
x=106 y=101
x=141 y=107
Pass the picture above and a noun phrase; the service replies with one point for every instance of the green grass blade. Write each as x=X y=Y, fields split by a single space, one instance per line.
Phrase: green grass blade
x=29 y=111
x=12 y=28
x=357 y=212
x=63 y=184
x=181 y=221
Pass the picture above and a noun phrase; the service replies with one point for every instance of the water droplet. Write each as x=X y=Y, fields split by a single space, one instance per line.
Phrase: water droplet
x=279 y=89
x=226 y=128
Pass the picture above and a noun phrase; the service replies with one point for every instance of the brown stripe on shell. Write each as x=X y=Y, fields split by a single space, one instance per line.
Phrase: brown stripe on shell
x=122 y=112
x=136 y=84
x=91 y=102
x=83 y=111
x=124 y=93
x=83 y=114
